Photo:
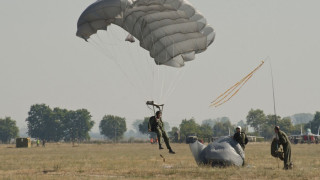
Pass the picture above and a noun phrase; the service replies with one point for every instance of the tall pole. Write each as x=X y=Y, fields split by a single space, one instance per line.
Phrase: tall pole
x=273 y=94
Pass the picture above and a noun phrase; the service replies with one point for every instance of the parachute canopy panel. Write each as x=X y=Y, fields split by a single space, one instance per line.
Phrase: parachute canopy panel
x=173 y=31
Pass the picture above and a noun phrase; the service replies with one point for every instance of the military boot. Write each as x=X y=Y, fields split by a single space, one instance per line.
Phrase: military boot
x=290 y=166
x=160 y=147
x=171 y=152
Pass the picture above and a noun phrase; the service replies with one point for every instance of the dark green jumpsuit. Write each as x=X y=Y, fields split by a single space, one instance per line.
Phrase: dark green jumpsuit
x=156 y=125
x=285 y=142
x=241 y=138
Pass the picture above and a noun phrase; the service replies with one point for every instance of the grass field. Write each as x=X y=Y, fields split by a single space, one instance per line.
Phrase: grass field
x=143 y=161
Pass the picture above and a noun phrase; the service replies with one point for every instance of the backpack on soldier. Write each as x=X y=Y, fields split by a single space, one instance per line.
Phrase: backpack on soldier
x=275 y=150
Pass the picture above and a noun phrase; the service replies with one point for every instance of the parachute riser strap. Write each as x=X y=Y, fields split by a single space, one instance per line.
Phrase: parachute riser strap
x=159 y=106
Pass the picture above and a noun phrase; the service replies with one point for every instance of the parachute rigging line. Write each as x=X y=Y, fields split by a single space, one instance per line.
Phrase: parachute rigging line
x=100 y=48
x=233 y=90
x=274 y=98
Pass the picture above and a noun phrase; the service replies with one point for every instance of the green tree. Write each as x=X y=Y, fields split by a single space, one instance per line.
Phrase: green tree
x=8 y=129
x=57 y=124
x=222 y=128
x=136 y=124
x=77 y=125
x=267 y=128
x=113 y=127
x=143 y=127
x=210 y=122
x=173 y=131
x=286 y=125
x=223 y=119
x=40 y=122
x=205 y=132
x=174 y=134
x=188 y=127
x=256 y=118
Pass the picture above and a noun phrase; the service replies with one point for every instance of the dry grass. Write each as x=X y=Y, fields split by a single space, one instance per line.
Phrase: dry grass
x=143 y=161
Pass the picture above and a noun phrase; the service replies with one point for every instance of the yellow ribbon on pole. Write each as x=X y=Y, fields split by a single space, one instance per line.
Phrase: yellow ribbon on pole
x=233 y=90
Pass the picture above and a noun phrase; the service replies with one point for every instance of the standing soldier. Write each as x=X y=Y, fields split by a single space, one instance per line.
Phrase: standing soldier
x=156 y=125
x=285 y=142
x=240 y=137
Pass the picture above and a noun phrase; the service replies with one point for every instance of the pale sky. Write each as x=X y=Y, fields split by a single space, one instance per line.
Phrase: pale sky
x=42 y=61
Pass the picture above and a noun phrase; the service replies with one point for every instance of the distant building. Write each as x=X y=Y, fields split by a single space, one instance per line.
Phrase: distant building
x=23 y=142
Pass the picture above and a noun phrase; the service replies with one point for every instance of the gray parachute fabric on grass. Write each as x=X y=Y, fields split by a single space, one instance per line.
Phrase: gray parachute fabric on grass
x=223 y=152
x=173 y=31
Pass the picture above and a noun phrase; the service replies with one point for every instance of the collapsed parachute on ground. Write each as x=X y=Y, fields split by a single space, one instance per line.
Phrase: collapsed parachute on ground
x=223 y=152
x=173 y=31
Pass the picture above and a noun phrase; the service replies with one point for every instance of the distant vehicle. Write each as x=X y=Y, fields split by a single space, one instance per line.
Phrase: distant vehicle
x=309 y=137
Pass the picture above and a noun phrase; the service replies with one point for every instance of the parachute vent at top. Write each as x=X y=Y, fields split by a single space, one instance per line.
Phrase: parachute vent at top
x=173 y=31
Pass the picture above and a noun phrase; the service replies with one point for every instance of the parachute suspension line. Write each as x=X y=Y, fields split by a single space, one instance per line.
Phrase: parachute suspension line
x=153 y=73
x=162 y=84
x=98 y=47
x=178 y=79
x=116 y=59
x=145 y=73
x=174 y=83
x=233 y=90
x=136 y=71
x=146 y=67
x=133 y=70
x=171 y=85
x=163 y=77
x=140 y=81
x=273 y=95
x=158 y=80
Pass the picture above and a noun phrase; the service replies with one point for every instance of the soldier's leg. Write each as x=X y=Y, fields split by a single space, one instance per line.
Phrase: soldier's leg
x=286 y=161
x=166 y=139
x=290 y=165
x=159 y=136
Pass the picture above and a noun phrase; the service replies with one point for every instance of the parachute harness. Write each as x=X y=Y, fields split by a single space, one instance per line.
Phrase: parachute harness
x=233 y=90
x=159 y=106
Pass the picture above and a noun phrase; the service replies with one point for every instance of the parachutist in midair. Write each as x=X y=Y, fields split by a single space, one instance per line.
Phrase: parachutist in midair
x=156 y=125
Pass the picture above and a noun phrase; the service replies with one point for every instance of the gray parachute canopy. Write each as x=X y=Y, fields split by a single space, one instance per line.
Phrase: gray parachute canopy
x=223 y=152
x=173 y=31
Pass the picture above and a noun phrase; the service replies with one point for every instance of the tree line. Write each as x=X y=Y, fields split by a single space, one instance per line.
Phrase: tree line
x=59 y=124
x=262 y=125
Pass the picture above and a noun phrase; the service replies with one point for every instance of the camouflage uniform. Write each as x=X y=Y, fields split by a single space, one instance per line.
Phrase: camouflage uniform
x=285 y=142
x=156 y=125
x=241 y=138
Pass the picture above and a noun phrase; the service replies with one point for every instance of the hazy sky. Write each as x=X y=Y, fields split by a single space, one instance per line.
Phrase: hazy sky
x=42 y=61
